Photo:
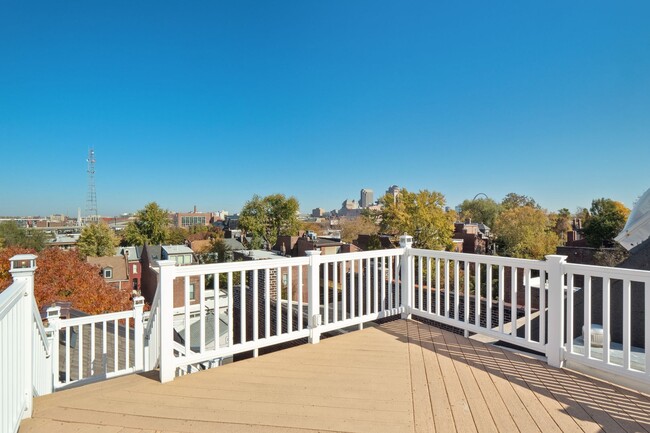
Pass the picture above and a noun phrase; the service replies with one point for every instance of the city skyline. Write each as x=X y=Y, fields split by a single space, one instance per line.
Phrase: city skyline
x=210 y=103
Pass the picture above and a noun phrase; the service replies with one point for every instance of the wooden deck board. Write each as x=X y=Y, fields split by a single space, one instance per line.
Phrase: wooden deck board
x=402 y=376
x=422 y=410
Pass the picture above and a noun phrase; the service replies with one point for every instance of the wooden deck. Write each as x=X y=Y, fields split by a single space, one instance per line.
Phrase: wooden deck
x=399 y=377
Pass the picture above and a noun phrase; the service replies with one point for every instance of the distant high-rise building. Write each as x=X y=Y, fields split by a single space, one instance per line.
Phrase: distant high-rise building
x=394 y=191
x=366 y=198
x=350 y=208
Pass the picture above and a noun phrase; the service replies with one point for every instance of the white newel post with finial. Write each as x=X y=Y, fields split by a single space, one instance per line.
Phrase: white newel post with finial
x=555 y=321
x=166 y=319
x=313 y=300
x=53 y=315
x=138 y=331
x=406 y=283
x=22 y=268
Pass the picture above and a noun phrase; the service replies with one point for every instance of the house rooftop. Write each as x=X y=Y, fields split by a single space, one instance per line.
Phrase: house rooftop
x=114 y=262
x=177 y=249
x=133 y=252
x=261 y=254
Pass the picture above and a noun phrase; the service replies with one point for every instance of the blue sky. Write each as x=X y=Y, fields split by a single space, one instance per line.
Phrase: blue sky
x=208 y=103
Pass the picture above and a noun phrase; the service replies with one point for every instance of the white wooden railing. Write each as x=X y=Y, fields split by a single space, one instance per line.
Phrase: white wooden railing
x=17 y=341
x=611 y=330
x=152 y=334
x=488 y=295
x=41 y=359
x=96 y=347
x=354 y=288
x=203 y=315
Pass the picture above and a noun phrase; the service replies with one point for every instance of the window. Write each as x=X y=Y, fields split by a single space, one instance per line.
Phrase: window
x=135 y=268
x=135 y=284
x=192 y=292
x=108 y=273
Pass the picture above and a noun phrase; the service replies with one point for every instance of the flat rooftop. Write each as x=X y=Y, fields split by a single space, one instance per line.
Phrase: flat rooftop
x=401 y=376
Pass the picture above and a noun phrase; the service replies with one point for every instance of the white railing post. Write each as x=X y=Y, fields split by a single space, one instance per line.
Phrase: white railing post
x=313 y=299
x=52 y=331
x=22 y=268
x=166 y=319
x=406 y=242
x=138 y=332
x=555 y=318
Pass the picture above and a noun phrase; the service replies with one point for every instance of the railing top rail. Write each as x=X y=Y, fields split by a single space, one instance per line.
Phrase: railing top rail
x=606 y=271
x=480 y=258
x=217 y=268
x=97 y=318
x=332 y=258
x=11 y=296
x=39 y=326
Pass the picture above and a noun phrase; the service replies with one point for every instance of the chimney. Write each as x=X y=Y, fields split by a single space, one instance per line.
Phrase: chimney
x=570 y=236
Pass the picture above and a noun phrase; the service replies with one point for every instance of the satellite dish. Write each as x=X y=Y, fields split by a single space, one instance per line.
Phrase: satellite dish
x=637 y=228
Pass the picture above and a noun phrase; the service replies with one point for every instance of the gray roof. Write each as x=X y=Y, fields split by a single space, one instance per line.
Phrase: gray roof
x=234 y=244
x=153 y=252
x=177 y=249
x=134 y=252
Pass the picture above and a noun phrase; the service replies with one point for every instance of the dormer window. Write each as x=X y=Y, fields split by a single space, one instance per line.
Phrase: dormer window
x=107 y=273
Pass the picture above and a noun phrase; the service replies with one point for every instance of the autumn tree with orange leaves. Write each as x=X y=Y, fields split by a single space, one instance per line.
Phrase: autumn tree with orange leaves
x=63 y=276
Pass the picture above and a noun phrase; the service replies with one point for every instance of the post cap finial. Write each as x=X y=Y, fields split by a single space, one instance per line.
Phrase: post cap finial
x=23 y=262
x=405 y=241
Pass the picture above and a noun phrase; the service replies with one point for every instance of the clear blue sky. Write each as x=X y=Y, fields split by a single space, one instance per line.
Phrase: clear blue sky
x=207 y=103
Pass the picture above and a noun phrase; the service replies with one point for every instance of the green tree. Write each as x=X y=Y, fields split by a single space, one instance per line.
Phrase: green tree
x=606 y=219
x=217 y=252
x=561 y=223
x=513 y=200
x=12 y=235
x=525 y=232
x=351 y=228
x=269 y=217
x=176 y=236
x=97 y=240
x=151 y=226
x=421 y=215
x=483 y=210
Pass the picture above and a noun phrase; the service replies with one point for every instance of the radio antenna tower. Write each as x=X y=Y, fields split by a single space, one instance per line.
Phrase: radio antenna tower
x=91 y=203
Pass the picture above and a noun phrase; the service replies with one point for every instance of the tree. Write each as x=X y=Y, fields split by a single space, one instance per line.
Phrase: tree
x=217 y=252
x=267 y=218
x=561 y=223
x=313 y=226
x=176 y=236
x=525 y=232
x=62 y=275
x=351 y=228
x=484 y=210
x=11 y=235
x=606 y=220
x=97 y=240
x=421 y=215
x=151 y=226
x=513 y=200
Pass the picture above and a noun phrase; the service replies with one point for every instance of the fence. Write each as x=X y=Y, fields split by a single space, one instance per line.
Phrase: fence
x=203 y=315
x=96 y=347
x=17 y=330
